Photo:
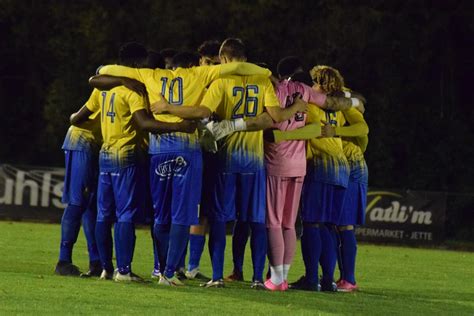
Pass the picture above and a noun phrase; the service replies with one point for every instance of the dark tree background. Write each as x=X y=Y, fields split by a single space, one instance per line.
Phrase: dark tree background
x=411 y=59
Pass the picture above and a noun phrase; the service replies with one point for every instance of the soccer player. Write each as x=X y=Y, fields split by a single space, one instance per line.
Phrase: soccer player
x=81 y=148
x=176 y=161
x=119 y=189
x=354 y=132
x=168 y=54
x=239 y=191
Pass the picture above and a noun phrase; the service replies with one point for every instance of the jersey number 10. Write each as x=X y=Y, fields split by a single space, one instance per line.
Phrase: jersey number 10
x=250 y=103
x=172 y=97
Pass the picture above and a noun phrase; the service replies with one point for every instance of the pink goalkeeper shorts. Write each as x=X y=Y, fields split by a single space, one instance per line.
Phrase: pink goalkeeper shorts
x=283 y=199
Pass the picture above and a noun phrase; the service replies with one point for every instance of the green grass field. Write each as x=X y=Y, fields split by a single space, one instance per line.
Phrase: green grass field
x=393 y=280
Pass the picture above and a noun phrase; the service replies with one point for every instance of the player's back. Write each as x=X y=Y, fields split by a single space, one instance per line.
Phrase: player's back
x=243 y=97
x=122 y=141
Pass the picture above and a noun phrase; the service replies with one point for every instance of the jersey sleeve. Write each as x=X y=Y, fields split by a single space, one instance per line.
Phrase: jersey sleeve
x=312 y=96
x=270 y=97
x=208 y=73
x=122 y=71
x=243 y=69
x=357 y=125
x=93 y=103
x=213 y=96
x=136 y=102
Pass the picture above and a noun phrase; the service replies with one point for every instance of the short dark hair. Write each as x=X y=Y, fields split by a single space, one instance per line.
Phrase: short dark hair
x=185 y=60
x=168 y=52
x=233 y=48
x=288 y=66
x=155 y=60
x=209 y=48
x=132 y=54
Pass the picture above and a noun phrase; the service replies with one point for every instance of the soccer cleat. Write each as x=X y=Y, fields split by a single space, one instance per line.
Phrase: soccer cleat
x=66 y=269
x=328 y=286
x=345 y=286
x=258 y=285
x=217 y=284
x=95 y=270
x=129 y=277
x=106 y=275
x=303 y=285
x=180 y=274
x=155 y=274
x=196 y=274
x=285 y=285
x=235 y=276
x=174 y=281
x=273 y=287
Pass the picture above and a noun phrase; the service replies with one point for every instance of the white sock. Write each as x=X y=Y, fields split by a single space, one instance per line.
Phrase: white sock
x=286 y=268
x=277 y=274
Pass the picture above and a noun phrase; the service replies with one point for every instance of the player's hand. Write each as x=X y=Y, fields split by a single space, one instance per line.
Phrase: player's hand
x=327 y=130
x=188 y=126
x=135 y=85
x=208 y=142
x=299 y=104
x=221 y=129
x=160 y=107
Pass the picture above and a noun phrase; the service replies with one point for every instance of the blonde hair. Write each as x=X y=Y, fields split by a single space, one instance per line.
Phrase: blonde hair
x=328 y=78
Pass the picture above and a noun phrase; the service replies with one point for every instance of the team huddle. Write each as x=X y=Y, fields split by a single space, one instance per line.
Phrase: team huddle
x=189 y=142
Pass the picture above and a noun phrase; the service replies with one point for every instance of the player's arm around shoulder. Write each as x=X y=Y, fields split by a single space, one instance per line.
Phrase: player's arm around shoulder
x=91 y=106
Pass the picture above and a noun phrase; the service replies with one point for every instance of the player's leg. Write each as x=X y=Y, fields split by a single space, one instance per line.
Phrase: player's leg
x=186 y=186
x=311 y=237
x=75 y=184
x=240 y=236
x=290 y=213
x=275 y=196
x=222 y=211
x=105 y=220
x=161 y=193
x=197 y=241
x=127 y=198
x=250 y=202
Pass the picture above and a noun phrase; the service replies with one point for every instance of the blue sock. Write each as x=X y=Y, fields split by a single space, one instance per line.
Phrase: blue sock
x=182 y=260
x=349 y=252
x=179 y=235
x=258 y=245
x=196 y=247
x=328 y=254
x=239 y=241
x=337 y=240
x=162 y=241
x=311 y=250
x=70 y=226
x=217 y=243
x=103 y=236
x=156 y=260
x=124 y=245
x=88 y=225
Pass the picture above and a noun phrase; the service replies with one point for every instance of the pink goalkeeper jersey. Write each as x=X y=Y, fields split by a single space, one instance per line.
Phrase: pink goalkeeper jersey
x=288 y=158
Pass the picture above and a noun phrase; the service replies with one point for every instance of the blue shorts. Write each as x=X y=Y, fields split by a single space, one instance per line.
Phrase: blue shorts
x=355 y=202
x=119 y=197
x=239 y=196
x=80 y=179
x=175 y=181
x=321 y=202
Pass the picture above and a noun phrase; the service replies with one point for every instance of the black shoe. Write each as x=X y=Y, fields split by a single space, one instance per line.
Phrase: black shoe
x=66 y=269
x=328 y=286
x=181 y=275
x=235 y=276
x=95 y=270
x=303 y=285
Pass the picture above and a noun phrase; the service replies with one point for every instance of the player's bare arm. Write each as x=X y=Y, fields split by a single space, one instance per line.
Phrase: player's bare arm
x=147 y=123
x=106 y=82
x=80 y=116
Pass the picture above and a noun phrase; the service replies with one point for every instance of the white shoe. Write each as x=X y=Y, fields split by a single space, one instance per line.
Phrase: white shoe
x=155 y=274
x=106 y=275
x=129 y=277
x=196 y=274
x=174 y=281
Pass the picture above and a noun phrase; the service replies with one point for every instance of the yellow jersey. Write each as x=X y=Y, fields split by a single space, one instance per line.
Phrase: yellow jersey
x=122 y=141
x=182 y=86
x=326 y=160
x=87 y=137
x=234 y=97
